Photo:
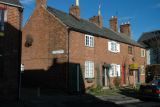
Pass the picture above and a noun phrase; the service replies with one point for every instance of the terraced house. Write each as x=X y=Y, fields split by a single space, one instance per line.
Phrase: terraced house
x=63 y=50
x=10 y=45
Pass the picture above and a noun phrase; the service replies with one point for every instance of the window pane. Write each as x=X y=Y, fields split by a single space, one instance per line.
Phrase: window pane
x=89 y=69
x=112 y=46
x=142 y=53
x=89 y=40
x=129 y=49
x=1 y=20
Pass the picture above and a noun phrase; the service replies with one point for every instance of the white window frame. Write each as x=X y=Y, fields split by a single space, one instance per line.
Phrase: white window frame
x=89 y=40
x=4 y=19
x=5 y=15
x=89 y=69
x=113 y=46
x=142 y=70
x=115 y=70
x=142 y=52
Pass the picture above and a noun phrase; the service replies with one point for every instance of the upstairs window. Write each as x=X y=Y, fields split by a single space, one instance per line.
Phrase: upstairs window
x=89 y=41
x=113 y=46
x=3 y=18
x=142 y=53
x=130 y=50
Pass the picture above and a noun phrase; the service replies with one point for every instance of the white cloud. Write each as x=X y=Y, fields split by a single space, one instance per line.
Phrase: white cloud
x=26 y=1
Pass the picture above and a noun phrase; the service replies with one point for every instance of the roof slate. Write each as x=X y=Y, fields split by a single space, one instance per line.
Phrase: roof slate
x=12 y=2
x=145 y=37
x=90 y=28
x=149 y=35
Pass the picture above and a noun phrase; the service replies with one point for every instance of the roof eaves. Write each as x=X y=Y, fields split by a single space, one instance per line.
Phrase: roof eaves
x=56 y=17
x=12 y=4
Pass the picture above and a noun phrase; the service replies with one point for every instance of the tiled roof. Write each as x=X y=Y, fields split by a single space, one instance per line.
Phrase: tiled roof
x=90 y=28
x=149 y=35
x=145 y=37
x=12 y=2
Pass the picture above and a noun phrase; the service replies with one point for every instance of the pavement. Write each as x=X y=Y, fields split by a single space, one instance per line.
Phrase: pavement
x=70 y=101
x=119 y=99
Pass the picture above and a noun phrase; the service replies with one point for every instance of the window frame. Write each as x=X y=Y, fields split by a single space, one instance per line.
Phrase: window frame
x=113 y=71
x=143 y=52
x=3 y=19
x=113 y=46
x=89 y=69
x=89 y=40
x=130 y=51
x=142 y=70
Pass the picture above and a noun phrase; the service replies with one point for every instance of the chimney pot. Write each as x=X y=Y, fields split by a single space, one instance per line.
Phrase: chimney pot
x=97 y=20
x=75 y=10
x=114 y=23
x=41 y=2
x=125 y=29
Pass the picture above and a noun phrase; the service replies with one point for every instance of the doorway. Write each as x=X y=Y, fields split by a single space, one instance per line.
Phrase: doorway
x=104 y=78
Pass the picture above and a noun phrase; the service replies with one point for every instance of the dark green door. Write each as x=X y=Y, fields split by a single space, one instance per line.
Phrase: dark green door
x=76 y=83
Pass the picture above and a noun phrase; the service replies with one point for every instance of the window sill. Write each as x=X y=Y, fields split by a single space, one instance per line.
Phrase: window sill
x=89 y=46
x=113 y=52
x=89 y=80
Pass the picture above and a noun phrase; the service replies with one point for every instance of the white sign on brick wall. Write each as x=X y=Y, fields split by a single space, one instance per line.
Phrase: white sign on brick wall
x=57 y=52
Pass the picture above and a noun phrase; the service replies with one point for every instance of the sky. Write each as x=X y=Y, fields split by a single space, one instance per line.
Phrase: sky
x=144 y=15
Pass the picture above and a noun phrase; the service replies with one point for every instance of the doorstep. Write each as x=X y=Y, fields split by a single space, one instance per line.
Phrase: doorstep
x=105 y=88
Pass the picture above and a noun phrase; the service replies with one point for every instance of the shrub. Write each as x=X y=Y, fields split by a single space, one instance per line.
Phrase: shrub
x=117 y=82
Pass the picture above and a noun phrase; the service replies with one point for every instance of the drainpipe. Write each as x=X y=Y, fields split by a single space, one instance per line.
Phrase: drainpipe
x=67 y=65
x=138 y=75
x=19 y=55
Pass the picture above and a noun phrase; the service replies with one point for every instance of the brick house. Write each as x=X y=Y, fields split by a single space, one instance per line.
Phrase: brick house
x=10 y=45
x=79 y=53
x=151 y=40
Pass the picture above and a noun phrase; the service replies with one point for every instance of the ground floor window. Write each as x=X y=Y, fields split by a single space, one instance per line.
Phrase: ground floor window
x=89 y=69
x=142 y=70
x=115 y=70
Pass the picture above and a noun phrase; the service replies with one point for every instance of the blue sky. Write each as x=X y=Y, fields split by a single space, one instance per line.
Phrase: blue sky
x=144 y=15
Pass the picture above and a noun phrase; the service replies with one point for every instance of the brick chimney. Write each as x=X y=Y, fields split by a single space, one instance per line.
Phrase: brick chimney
x=75 y=10
x=97 y=19
x=41 y=2
x=125 y=29
x=114 y=23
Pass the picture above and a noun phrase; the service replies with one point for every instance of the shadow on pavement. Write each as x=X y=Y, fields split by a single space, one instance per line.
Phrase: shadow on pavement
x=57 y=99
x=129 y=92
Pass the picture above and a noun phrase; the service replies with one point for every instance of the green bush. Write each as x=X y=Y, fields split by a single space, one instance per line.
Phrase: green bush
x=117 y=82
x=93 y=90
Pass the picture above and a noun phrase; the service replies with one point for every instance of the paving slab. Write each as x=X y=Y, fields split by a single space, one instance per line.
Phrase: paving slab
x=119 y=99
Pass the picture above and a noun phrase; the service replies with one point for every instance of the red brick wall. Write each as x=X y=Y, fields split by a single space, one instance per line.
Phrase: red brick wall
x=100 y=54
x=48 y=34
x=11 y=43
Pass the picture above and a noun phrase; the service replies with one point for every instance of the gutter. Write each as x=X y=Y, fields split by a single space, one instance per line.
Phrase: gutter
x=12 y=4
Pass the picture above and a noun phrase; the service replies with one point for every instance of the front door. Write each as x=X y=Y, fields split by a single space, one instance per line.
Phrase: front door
x=105 y=82
x=135 y=77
